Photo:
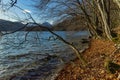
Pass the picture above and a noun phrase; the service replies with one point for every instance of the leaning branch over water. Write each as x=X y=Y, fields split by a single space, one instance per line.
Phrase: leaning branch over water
x=78 y=54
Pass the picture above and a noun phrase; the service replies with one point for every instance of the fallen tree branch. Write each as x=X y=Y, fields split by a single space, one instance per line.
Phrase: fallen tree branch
x=78 y=54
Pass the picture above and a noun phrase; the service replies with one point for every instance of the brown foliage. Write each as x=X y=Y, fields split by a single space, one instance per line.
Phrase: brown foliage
x=95 y=56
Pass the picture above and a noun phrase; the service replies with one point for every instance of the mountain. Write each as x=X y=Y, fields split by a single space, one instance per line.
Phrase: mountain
x=47 y=24
x=9 y=25
x=77 y=23
x=34 y=27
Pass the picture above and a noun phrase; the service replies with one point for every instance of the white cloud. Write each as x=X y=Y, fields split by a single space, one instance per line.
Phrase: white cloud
x=26 y=11
x=5 y=16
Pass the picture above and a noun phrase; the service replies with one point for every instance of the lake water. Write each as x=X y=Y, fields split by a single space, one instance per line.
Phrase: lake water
x=21 y=50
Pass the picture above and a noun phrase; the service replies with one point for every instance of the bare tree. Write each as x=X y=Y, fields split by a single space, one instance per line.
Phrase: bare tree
x=96 y=12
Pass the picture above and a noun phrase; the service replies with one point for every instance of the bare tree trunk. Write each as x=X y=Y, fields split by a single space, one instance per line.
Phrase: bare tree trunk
x=106 y=4
x=103 y=16
x=91 y=27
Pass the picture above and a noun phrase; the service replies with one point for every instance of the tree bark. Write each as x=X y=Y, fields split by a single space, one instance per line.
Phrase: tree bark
x=106 y=27
x=117 y=2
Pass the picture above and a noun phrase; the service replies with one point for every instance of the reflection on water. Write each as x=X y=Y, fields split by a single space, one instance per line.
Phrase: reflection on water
x=19 y=51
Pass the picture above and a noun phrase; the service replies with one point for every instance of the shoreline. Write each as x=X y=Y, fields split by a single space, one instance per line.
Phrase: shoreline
x=49 y=70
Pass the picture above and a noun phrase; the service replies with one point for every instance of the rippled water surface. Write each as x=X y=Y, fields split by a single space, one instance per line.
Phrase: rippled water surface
x=21 y=50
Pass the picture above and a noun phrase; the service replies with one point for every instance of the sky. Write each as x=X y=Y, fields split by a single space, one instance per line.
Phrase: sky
x=15 y=14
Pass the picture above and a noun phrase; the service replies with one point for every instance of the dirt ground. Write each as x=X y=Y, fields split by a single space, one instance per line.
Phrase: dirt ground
x=95 y=55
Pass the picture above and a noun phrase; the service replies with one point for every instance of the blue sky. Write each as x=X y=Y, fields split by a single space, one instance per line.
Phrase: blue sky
x=15 y=14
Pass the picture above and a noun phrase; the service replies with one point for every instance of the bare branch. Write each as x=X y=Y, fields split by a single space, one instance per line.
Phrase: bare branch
x=13 y=2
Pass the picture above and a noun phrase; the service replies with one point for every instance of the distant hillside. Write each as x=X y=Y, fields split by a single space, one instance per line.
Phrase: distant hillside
x=71 y=24
x=34 y=28
x=10 y=26
x=38 y=28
